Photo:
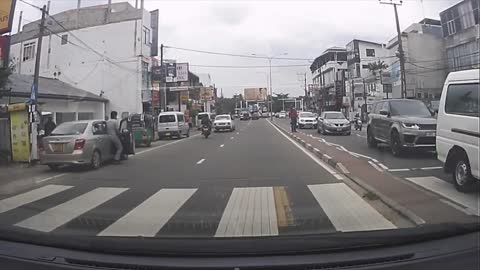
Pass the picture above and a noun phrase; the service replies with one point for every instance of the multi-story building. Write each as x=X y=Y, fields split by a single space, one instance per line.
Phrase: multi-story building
x=461 y=32
x=361 y=54
x=328 y=72
x=104 y=49
x=425 y=65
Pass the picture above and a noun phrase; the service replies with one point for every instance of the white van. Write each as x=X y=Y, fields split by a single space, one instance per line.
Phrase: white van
x=172 y=124
x=458 y=128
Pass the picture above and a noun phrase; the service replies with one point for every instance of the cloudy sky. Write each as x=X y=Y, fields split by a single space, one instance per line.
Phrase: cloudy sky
x=300 y=29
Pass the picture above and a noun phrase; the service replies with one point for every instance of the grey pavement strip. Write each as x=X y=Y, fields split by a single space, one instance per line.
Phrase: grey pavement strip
x=346 y=210
x=30 y=196
x=55 y=217
x=163 y=145
x=382 y=166
x=151 y=215
x=342 y=168
x=399 y=170
x=375 y=166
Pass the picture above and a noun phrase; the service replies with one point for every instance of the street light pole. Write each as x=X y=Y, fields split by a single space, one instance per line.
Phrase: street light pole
x=271 y=89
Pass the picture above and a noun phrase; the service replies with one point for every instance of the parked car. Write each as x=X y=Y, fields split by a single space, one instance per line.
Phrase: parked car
x=255 y=116
x=82 y=143
x=282 y=114
x=245 y=116
x=307 y=120
x=458 y=133
x=333 y=122
x=223 y=122
x=402 y=124
x=172 y=124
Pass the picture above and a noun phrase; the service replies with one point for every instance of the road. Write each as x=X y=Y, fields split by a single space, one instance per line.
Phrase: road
x=254 y=181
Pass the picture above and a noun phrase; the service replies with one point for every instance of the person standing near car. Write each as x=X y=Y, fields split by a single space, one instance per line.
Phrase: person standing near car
x=293 y=115
x=49 y=126
x=113 y=132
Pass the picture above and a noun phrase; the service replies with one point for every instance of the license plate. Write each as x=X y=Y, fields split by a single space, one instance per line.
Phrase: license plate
x=431 y=134
x=167 y=134
x=57 y=147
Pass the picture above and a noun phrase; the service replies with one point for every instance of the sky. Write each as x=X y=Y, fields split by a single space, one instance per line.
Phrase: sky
x=293 y=29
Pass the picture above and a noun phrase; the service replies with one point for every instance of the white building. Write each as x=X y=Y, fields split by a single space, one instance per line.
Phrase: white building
x=105 y=50
x=361 y=53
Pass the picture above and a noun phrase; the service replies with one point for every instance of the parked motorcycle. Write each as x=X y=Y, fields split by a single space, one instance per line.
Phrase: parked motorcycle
x=358 y=124
x=205 y=131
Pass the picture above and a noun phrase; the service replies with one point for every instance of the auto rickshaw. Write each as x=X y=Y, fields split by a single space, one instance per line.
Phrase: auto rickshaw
x=143 y=126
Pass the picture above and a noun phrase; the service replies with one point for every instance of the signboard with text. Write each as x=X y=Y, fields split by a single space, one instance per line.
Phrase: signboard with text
x=181 y=72
x=206 y=93
x=7 y=8
x=255 y=94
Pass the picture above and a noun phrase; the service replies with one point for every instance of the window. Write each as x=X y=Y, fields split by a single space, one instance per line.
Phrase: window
x=385 y=107
x=378 y=107
x=370 y=52
x=365 y=66
x=28 y=51
x=72 y=128
x=146 y=36
x=463 y=99
x=62 y=117
x=168 y=118
x=85 y=115
x=180 y=118
x=357 y=69
x=451 y=27
x=64 y=39
x=99 y=128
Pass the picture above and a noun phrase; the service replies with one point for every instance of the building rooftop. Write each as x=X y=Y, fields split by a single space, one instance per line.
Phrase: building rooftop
x=81 y=18
x=49 y=88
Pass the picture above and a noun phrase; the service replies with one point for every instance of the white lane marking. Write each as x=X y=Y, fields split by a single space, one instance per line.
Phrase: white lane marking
x=353 y=154
x=163 y=145
x=327 y=156
x=362 y=136
x=309 y=145
x=346 y=210
x=222 y=145
x=231 y=138
x=30 y=196
x=50 y=178
x=55 y=217
x=201 y=161
x=238 y=133
x=151 y=215
x=342 y=168
x=316 y=149
x=374 y=160
x=431 y=168
x=399 y=170
x=375 y=166
x=311 y=155
x=383 y=166
x=447 y=190
x=249 y=212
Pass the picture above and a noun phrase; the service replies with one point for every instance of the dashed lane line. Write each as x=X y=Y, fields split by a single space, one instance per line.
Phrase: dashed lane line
x=383 y=166
x=399 y=170
x=201 y=161
x=222 y=145
x=50 y=178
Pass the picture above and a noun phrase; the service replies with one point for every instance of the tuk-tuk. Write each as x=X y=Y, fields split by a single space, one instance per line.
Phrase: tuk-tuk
x=143 y=127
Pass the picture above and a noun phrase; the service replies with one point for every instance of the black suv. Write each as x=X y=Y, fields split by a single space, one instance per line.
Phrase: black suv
x=401 y=123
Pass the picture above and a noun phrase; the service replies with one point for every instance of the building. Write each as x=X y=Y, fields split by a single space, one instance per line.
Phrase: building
x=328 y=72
x=363 y=82
x=461 y=32
x=425 y=65
x=179 y=94
x=105 y=50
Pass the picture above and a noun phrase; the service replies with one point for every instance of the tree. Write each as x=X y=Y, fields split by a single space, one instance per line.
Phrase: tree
x=377 y=66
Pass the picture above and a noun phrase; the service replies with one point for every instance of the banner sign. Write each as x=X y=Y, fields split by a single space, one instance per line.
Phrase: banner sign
x=154 y=24
x=255 y=94
x=158 y=73
x=184 y=96
x=7 y=7
x=171 y=68
x=206 y=93
x=182 y=72
x=386 y=77
x=4 y=50
x=20 y=135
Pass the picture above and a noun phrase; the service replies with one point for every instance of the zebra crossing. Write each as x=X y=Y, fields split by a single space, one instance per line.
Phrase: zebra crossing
x=247 y=211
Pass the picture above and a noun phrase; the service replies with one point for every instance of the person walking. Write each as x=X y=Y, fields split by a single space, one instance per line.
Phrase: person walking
x=293 y=115
x=112 y=130
x=49 y=126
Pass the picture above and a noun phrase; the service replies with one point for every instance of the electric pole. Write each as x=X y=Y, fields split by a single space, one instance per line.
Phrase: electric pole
x=36 y=74
x=400 y=55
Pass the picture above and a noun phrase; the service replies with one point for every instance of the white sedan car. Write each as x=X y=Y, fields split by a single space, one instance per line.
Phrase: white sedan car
x=282 y=114
x=223 y=122
x=307 y=120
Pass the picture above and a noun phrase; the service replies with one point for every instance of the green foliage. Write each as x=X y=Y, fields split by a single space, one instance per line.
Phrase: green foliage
x=377 y=66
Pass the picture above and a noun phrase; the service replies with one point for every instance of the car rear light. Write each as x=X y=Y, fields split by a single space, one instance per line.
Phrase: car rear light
x=41 y=147
x=79 y=144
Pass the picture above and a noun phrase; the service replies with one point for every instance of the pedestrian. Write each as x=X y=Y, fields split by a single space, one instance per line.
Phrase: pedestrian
x=293 y=115
x=49 y=126
x=114 y=133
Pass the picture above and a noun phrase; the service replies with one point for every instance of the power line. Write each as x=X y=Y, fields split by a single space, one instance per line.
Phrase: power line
x=279 y=66
x=236 y=55
x=32 y=5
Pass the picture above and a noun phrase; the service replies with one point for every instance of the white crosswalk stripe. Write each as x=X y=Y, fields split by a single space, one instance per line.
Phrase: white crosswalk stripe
x=55 y=217
x=31 y=196
x=249 y=212
x=346 y=210
x=150 y=216
x=447 y=190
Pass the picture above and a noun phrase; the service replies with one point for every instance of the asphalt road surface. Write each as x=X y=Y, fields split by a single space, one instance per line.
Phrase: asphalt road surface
x=254 y=181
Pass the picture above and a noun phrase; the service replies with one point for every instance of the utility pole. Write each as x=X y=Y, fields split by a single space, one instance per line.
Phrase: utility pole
x=271 y=89
x=36 y=74
x=365 y=98
x=163 y=83
x=400 y=55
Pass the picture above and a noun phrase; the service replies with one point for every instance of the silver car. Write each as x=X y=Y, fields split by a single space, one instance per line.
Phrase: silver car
x=77 y=143
x=333 y=122
x=401 y=123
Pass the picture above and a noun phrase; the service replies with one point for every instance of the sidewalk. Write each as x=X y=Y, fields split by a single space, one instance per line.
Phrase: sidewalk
x=17 y=175
x=411 y=201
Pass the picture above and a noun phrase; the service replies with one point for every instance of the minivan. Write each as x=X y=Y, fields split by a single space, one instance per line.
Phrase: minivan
x=458 y=128
x=172 y=124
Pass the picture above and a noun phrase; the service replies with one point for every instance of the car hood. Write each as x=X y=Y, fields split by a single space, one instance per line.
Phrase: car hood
x=336 y=121
x=307 y=118
x=415 y=120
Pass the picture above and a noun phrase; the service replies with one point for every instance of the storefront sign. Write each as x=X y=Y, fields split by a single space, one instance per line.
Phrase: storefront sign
x=184 y=96
x=182 y=72
x=20 y=135
x=7 y=7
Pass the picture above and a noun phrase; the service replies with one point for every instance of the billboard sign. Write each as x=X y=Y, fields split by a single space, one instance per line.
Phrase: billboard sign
x=171 y=68
x=7 y=7
x=154 y=24
x=4 y=49
x=184 y=96
x=206 y=93
x=386 y=77
x=158 y=73
x=182 y=72
x=255 y=94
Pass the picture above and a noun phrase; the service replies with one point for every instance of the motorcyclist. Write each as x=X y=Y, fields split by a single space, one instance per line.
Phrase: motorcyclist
x=207 y=122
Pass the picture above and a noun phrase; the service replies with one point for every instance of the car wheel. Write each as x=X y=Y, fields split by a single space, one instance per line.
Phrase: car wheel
x=54 y=167
x=371 y=142
x=96 y=160
x=462 y=174
x=395 y=144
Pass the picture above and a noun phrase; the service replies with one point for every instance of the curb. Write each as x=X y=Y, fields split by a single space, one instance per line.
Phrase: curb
x=406 y=213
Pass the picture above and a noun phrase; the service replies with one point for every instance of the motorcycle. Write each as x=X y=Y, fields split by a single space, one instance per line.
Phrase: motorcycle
x=205 y=131
x=358 y=124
